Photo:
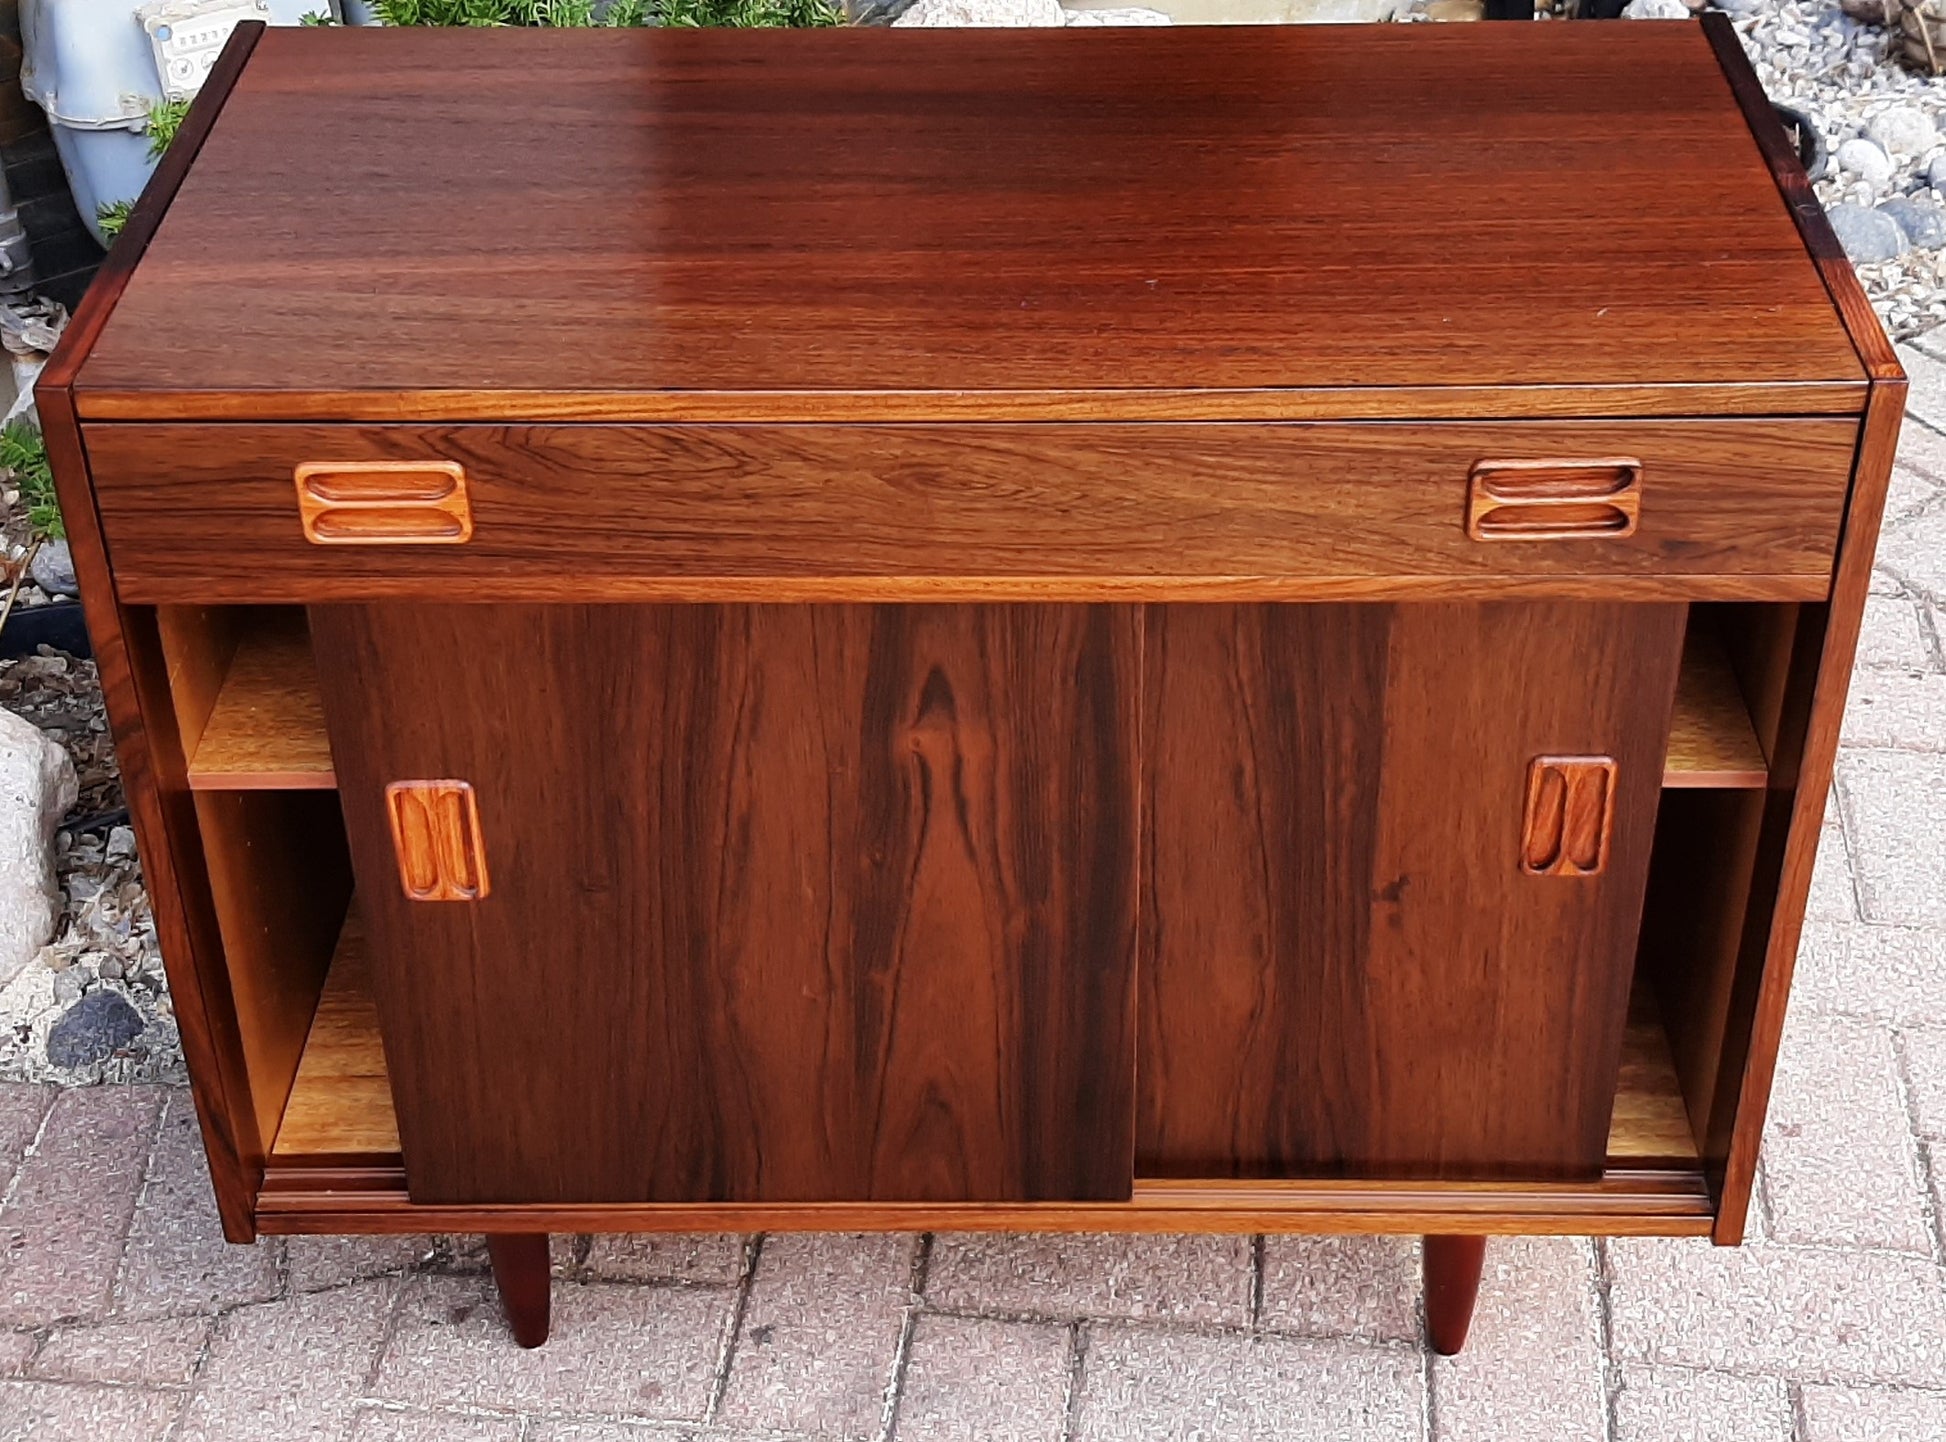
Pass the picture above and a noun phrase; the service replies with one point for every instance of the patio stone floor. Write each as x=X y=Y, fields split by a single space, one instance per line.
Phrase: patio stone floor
x=124 y=1316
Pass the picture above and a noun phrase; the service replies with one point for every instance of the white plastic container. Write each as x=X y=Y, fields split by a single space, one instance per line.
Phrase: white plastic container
x=98 y=66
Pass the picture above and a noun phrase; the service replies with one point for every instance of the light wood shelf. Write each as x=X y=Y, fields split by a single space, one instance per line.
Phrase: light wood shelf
x=266 y=730
x=1650 y=1125
x=340 y=1110
x=1711 y=740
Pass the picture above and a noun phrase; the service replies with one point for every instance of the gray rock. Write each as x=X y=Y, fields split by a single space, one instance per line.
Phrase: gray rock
x=1936 y=172
x=939 y=14
x=94 y=1028
x=1867 y=234
x=1923 y=220
x=110 y=969
x=53 y=569
x=1123 y=16
x=37 y=786
x=1738 y=7
x=1902 y=130
x=1865 y=160
x=1655 y=10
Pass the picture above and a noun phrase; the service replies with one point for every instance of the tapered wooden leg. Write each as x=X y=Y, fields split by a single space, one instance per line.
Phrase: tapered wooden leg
x=1452 y=1267
x=522 y=1272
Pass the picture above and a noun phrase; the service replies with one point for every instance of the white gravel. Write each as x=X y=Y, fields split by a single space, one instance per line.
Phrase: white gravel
x=1848 y=77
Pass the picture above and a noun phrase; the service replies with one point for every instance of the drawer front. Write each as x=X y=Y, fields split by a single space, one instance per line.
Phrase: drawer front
x=1713 y=508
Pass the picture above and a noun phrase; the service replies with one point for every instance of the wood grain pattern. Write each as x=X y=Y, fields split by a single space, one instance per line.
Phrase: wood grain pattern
x=1569 y=818
x=1862 y=326
x=341 y=1111
x=435 y=829
x=383 y=503
x=265 y=724
x=1650 y=1126
x=1622 y=1204
x=1812 y=699
x=1452 y=1267
x=268 y=726
x=135 y=685
x=628 y=511
x=1345 y=972
x=198 y=643
x=1553 y=500
x=279 y=880
x=1711 y=740
x=524 y=1274
x=1787 y=842
x=850 y=914
x=874 y=210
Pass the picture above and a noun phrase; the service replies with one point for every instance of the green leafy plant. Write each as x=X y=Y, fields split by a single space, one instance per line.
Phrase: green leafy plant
x=165 y=119
x=751 y=14
x=316 y=17
x=113 y=218
x=616 y=14
x=24 y=454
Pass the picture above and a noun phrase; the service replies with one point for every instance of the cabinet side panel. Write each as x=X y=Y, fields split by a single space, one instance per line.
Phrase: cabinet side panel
x=1346 y=968
x=786 y=903
x=134 y=682
x=1812 y=714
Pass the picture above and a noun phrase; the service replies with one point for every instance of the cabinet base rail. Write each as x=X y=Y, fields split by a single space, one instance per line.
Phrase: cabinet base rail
x=1623 y=1203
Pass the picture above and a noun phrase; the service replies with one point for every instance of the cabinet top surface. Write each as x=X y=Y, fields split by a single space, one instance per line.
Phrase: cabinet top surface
x=902 y=223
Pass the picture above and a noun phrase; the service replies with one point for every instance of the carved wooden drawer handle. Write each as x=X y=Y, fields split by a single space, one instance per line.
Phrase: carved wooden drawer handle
x=1570 y=812
x=436 y=833
x=1553 y=500
x=383 y=503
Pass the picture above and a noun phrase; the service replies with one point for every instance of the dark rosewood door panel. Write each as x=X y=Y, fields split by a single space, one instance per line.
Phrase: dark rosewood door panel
x=1378 y=938
x=747 y=903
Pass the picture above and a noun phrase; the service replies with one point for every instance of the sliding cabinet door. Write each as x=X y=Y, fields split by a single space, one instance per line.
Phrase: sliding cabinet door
x=1393 y=872
x=747 y=903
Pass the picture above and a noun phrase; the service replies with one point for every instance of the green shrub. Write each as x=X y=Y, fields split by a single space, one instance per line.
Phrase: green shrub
x=165 y=119
x=112 y=218
x=619 y=13
x=24 y=454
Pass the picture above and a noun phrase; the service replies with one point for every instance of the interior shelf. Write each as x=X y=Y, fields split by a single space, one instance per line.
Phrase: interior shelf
x=1711 y=740
x=266 y=730
x=340 y=1110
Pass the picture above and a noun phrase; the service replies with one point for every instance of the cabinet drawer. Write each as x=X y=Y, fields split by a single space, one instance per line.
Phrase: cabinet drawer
x=1709 y=508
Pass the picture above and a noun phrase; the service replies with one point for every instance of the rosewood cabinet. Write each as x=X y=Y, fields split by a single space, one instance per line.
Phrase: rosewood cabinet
x=1114 y=630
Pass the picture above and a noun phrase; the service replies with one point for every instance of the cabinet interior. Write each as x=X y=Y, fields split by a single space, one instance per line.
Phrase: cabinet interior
x=244 y=685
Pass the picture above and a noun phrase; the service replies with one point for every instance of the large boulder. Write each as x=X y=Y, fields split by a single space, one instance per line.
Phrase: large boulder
x=37 y=786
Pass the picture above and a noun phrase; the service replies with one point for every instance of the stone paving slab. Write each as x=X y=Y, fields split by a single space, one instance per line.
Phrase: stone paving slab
x=1856 y=1414
x=1810 y=1313
x=973 y=1379
x=1840 y=1162
x=161 y=1353
x=1363 y=1287
x=67 y=1212
x=648 y=1353
x=1532 y=1366
x=56 y=1412
x=1184 y=1279
x=1679 y=1404
x=294 y=1369
x=1143 y=1384
x=822 y=1333
x=175 y=1261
